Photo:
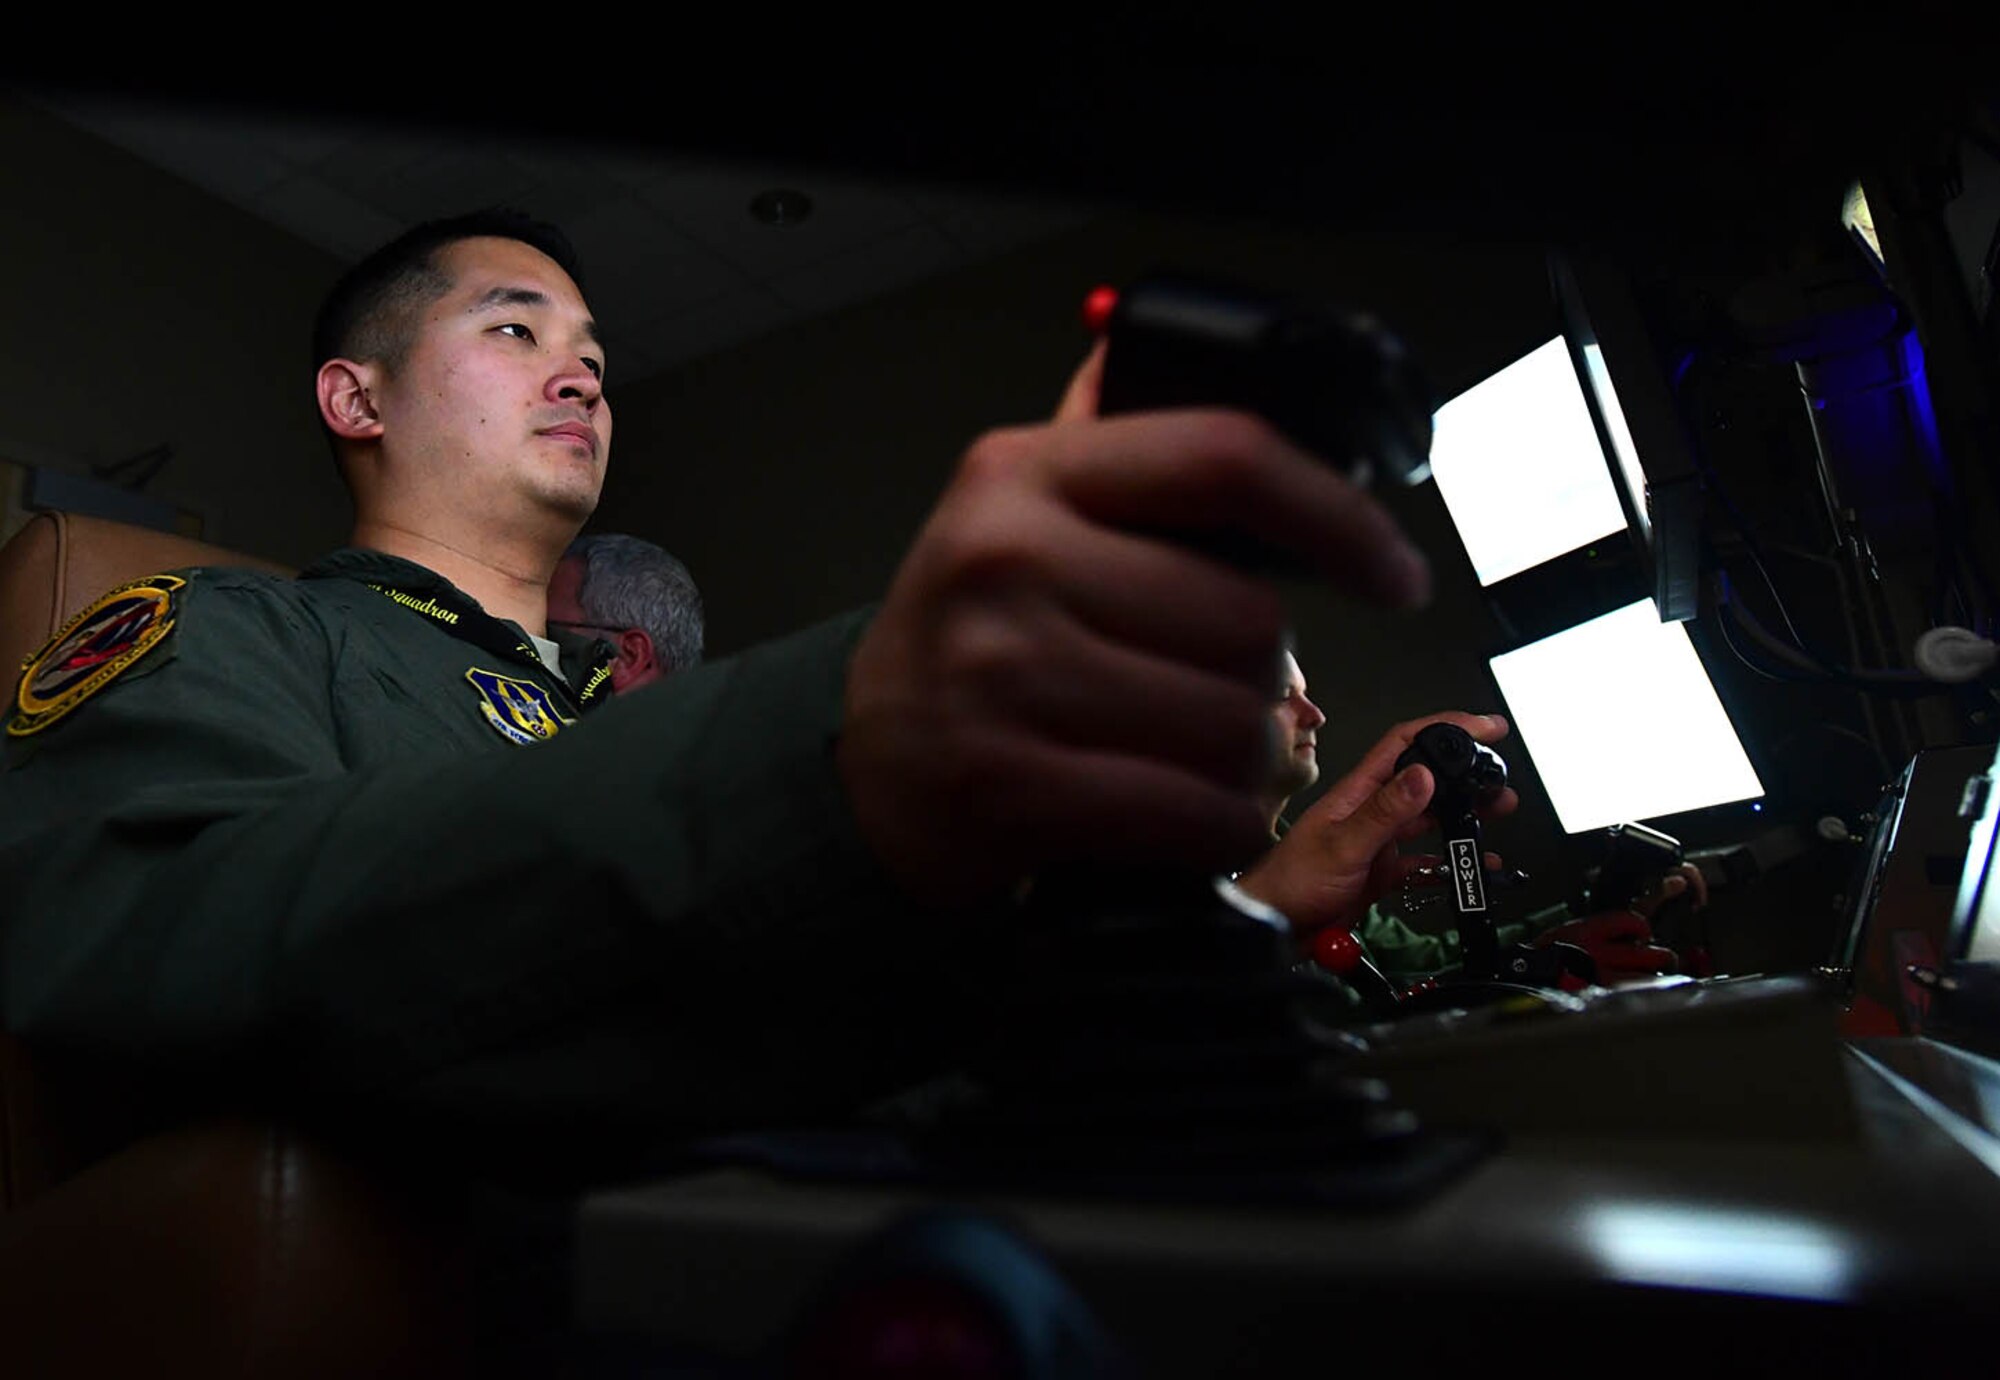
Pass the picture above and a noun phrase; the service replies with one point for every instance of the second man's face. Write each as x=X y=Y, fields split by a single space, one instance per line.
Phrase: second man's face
x=1298 y=720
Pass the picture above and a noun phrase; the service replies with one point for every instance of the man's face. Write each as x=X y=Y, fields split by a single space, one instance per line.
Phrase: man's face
x=500 y=400
x=1297 y=720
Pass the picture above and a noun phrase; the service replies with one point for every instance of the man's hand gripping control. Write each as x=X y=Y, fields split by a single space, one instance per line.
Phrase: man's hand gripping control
x=1050 y=681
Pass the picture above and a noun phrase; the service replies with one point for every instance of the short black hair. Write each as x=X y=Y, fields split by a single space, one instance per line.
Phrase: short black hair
x=368 y=314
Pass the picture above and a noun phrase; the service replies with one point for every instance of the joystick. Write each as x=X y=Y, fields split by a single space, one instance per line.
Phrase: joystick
x=1637 y=860
x=1162 y=1034
x=1336 y=382
x=1468 y=774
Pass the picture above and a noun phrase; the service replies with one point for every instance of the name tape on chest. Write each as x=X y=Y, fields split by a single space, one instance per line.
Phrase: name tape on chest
x=519 y=710
x=599 y=675
x=92 y=650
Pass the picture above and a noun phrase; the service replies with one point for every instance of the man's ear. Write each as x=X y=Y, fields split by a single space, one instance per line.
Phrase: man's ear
x=347 y=400
x=636 y=663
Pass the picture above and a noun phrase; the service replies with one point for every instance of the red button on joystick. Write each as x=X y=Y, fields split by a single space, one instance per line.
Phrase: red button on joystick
x=1337 y=950
x=1097 y=309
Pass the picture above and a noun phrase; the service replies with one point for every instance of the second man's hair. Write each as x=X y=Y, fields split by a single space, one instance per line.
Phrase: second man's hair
x=629 y=583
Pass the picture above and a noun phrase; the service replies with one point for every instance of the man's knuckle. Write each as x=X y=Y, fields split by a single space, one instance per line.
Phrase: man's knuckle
x=996 y=456
x=988 y=561
x=988 y=655
x=1227 y=473
x=1232 y=438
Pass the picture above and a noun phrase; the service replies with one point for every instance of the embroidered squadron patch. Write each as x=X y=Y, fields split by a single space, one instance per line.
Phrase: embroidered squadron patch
x=92 y=650
x=519 y=710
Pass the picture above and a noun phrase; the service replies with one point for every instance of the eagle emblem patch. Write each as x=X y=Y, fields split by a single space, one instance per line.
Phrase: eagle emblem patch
x=92 y=650
x=519 y=710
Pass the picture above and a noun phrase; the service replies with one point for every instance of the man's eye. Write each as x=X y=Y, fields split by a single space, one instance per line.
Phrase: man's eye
x=595 y=366
x=518 y=331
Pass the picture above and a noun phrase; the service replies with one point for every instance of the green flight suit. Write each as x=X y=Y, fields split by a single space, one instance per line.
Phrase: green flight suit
x=300 y=844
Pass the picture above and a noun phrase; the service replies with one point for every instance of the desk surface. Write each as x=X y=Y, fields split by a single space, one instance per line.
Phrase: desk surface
x=1847 y=1252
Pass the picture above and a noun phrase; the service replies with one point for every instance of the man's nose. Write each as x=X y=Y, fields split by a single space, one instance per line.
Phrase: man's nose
x=1310 y=715
x=575 y=382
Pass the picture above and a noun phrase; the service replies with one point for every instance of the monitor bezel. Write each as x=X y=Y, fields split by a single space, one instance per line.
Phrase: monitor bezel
x=1600 y=310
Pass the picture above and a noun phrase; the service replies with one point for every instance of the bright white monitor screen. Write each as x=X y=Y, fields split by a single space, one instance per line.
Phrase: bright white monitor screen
x=1518 y=462
x=1623 y=722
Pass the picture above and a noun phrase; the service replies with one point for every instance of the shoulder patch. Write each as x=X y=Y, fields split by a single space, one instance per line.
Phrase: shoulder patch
x=92 y=650
x=519 y=710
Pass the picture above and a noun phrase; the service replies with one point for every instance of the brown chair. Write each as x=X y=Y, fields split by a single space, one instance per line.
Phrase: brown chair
x=230 y=1247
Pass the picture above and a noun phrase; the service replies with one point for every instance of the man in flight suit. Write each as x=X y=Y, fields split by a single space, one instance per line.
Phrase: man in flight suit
x=366 y=839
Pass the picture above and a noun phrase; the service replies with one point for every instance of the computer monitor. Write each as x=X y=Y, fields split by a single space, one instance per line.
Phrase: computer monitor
x=1963 y=1004
x=1520 y=467
x=1622 y=721
x=1976 y=917
x=1639 y=423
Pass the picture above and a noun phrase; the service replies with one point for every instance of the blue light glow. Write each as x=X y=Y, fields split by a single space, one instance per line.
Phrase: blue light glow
x=1924 y=412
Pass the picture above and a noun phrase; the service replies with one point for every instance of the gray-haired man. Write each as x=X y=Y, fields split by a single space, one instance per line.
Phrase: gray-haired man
x=636 y=597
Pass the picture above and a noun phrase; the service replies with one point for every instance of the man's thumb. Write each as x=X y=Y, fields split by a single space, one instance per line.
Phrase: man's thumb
x=1079 y=400
x=1384 y=815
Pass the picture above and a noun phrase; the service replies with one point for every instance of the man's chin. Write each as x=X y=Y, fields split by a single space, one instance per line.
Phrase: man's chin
x=573 y=505
x=1301 y=777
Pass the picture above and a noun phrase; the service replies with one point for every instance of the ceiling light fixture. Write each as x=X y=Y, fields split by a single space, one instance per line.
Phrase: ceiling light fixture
x=781 y=207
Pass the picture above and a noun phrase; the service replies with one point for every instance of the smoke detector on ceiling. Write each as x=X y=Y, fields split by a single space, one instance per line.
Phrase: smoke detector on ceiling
x=781 y=207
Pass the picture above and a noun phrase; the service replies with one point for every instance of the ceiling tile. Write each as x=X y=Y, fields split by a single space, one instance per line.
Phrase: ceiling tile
x=639 y=268
x=882 y=265
x=710 y=203
x=712 y=326
x=982 y=228
x=452 y=183
x=625 y=165
x=215 y=151
x=325 y=216
x=362 y=167
x=567 y=184
x=305 y=143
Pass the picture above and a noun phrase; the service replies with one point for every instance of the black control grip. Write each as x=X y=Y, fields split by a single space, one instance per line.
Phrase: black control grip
x=1466 y=773
x=1337 y=383
x=1459 y=763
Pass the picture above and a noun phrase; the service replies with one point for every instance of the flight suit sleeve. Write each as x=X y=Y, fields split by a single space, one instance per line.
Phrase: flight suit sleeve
x=664 y=916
